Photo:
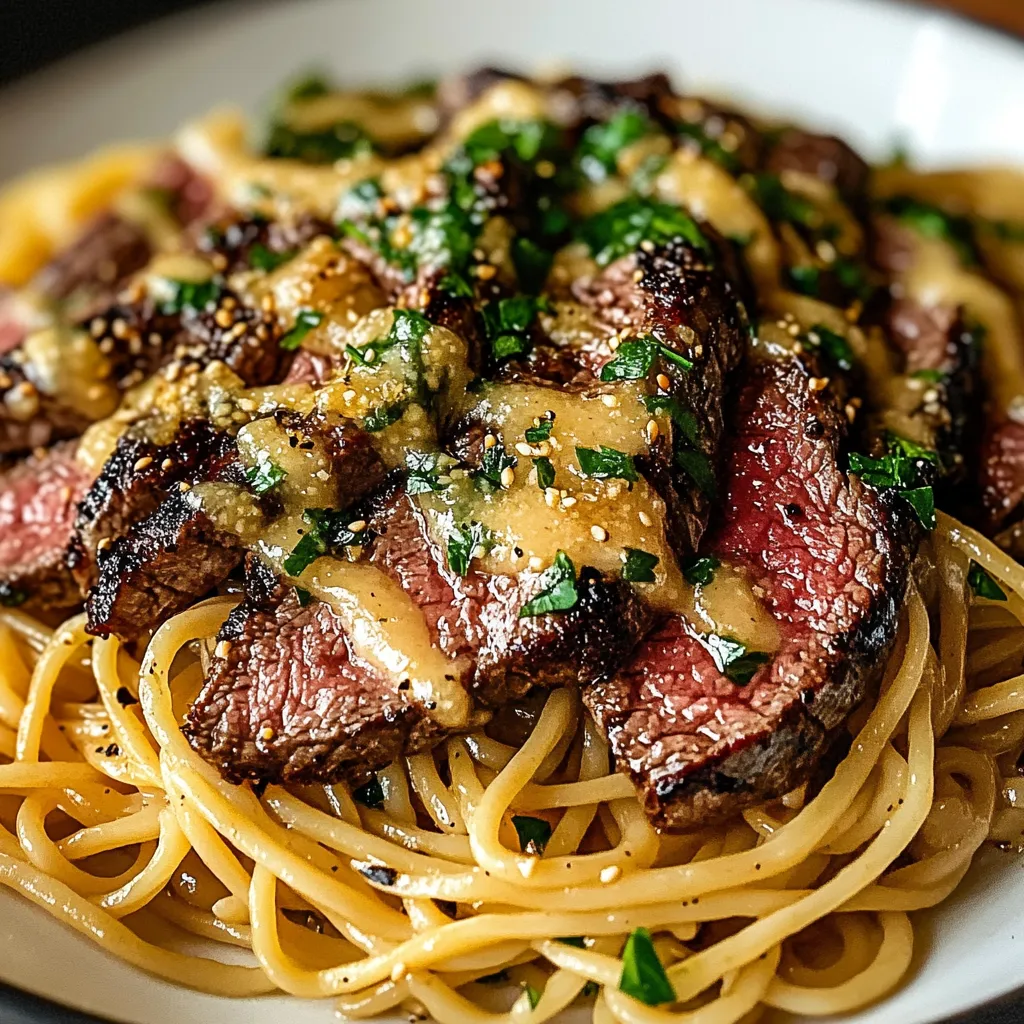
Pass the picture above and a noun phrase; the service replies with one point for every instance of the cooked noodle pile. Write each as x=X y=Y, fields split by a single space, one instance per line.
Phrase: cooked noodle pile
x=109 y=818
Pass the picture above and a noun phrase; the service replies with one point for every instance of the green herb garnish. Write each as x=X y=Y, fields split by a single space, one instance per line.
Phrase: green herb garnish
x=606 y=463
x=779 y=203
x=425 y=472
x=328 y=531
x=934 y=222
x=265 y=475
x=679 y=414
x=488 y=477
x=532 y=995
x=540 y=431
x=699 y=468
x=834 y=347
x=700 y=571
x=634 y=359
x=545 y=472
x=621 y=228
x=507 y=323
x=12 y=597
x=191 y=295
x=304 y=596
x=343 y=140
x=305 y=321
x=466 y=542
x=709 y=147
x=805 y=280
x=639 y=566
x=383 y=416
x=983 y=584
x=598 y=152
x=558 y=589
x=533 y=833
x=904 y=468
x=643 y=975
x=261 y=258
x=733 y=659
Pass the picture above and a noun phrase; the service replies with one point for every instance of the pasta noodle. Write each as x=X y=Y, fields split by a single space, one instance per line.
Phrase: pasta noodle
x=802 y=905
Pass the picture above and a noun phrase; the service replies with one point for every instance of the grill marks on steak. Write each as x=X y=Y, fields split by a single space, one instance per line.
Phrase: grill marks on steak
x=831 y=558
x=292 y=702
x=174 y=549
x=37 y=512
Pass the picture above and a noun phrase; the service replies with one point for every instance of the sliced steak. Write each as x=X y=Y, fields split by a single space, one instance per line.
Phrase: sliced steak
x=1002 y=485
x=255 y=243
x=831 y=557
x=691 y=302
x=477 y=615
x=37 y=512
x=178 y=548
x=824 y=157
x=291 y=702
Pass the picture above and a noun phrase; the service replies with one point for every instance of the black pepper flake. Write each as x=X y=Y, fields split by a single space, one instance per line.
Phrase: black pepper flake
x=793 y=511
x=112 y=750
x=380 y=874
x=807 y=696
x=125 y=697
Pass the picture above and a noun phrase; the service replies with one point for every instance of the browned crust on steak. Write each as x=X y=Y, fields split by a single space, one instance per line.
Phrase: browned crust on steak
x=290 y=702
x=832 y=558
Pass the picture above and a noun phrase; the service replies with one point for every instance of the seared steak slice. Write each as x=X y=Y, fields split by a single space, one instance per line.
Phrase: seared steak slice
x=289 y=701
x=478 y=614
x=37 y=512
x=1002 y=485
x=177 y=549
x=134 y=481
x=689 y=301
x=831 y=558
x=824 y=157
x=258 y=243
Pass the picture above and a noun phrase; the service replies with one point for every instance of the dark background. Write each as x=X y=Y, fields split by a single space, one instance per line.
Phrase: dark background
x=34 y=32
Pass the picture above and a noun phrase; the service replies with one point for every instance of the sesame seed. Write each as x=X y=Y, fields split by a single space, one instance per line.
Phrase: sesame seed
x=609 y=400
x=851 y=412
x=638 y=275
x=166 y=464
x=647 y=245
x=348 y=395
x=223 y=318
x=663 y=382
x=535 y=562
x=104 y=543
x=645 y=518
x=266 y=733
x=184 y=486
x=545 y=169
x=98 y=327
x=930 y=396
x=223 y=649
x=652 y=431
x=818 y=383
x=599 y=533
x=550 y=497
x=490 y=440
x=486 y=271
x=523 y=448
x=610 y=873
x=144 y=463
x=568 y=502
x=267 y=304
x=357 y=525
x=508 y=477
x=119 y=328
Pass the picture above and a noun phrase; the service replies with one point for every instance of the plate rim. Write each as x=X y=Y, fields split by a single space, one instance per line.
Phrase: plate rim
x=33 y=1008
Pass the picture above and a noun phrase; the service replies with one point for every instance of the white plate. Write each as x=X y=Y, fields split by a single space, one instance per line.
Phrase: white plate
x=878 y=72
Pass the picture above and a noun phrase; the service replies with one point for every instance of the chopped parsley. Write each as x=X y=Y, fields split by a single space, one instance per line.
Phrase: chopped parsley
x=265 y=475
x=1007 y=230
x=545 y=472
x=805 y=280
x=643 y=975
x=305 y=320
x=733 y=659
x=466 y=542
x=532 y=995
x=779 y=203
x=834 y=347
x=638 y=566
x=533 y=833
x=488 y=477
x=700 y=571
x=507 y=324
x=907 y=468
x=606 y=463
x=540 y=431
x=634 y=359
x=983 y=584
x=677 y=412
x=532 y=262
x=598 y=151
x=934 y=222
x=698 y=466
x=558 y=589
x=529 y=140
x=408 y=329
x=342 y=140
x=371 y=794
x=191 y=295
x=383 y=416
x=930 y=376
x=328 y=531
x=696 y=135
x=427 y=472
x=304 y=596
x=621 y=228
x=262 y=258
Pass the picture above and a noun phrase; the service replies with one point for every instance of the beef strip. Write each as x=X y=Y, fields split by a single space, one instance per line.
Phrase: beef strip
x=477 y=615
x=694 y=303
x=1001 y=477
x=290 y=702
x=831 y=557
x=37 y=510
x=244 y=244
x=173 y=551
x=824 y=157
